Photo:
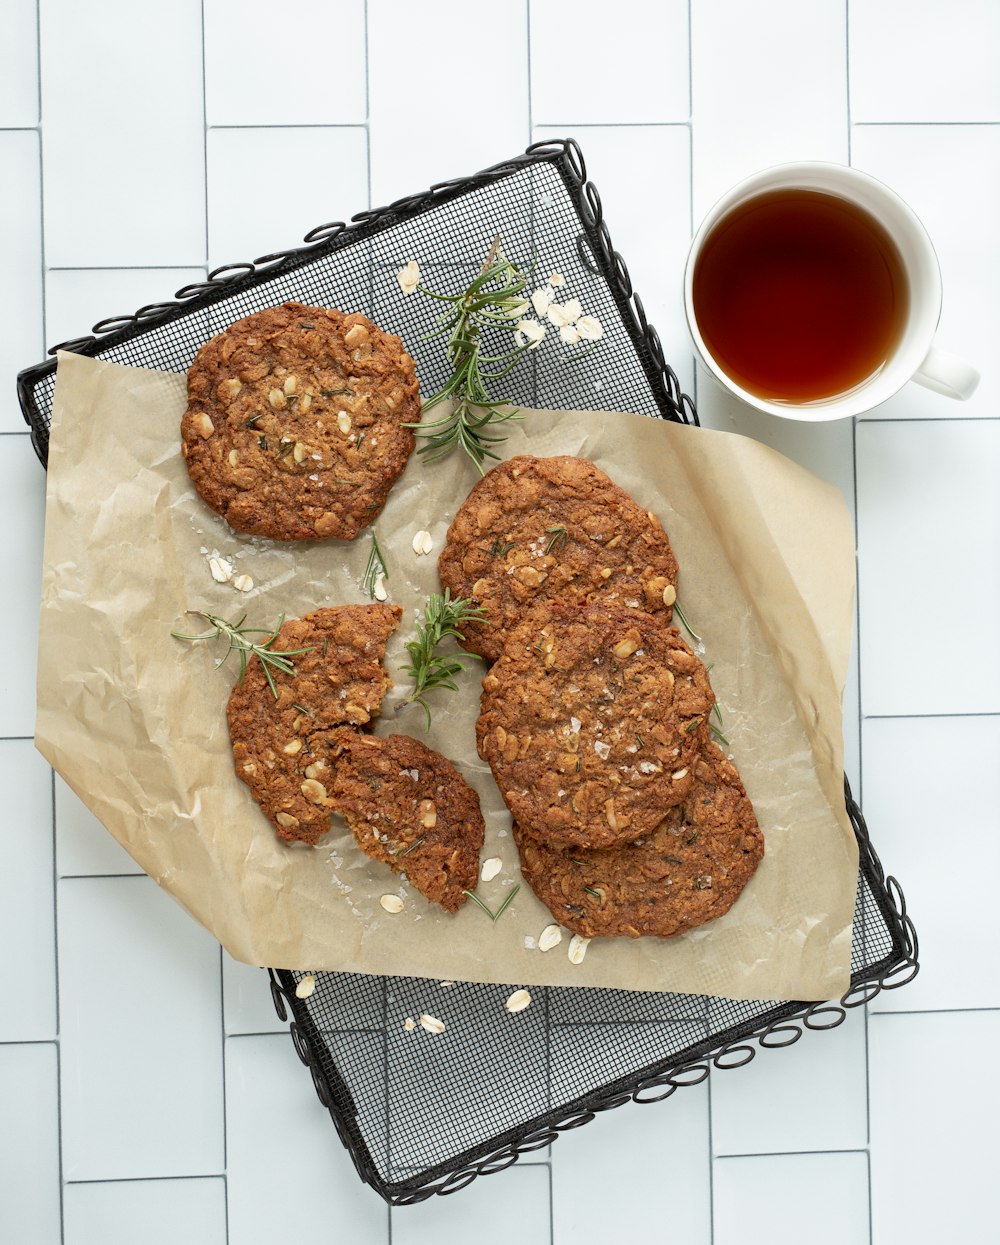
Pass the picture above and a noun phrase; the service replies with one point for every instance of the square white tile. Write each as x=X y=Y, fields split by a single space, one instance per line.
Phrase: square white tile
x=808 y=1096
x=924 y=63
x=19 y=65
x=821 y=1198
x=83 y=846
x=21 y=330
x=769 y=85
x=633 y=169
x=124 y=177
x=935 y=1087
x=27 y=901
x=29 y=1144
x=655 y=1155
x=929 y=545
x=22 y=487
x=77 y=298
x=632 y=68
x=431 y=116
x=286 y=1170
x=155 y=1212
x=310 y=67
x=324 y=168
x=950 y=176
x=953 y=909
x=512 y=1205
x=141 y=1034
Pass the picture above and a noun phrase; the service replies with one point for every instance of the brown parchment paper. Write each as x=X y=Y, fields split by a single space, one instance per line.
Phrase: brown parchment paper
x=134 y=720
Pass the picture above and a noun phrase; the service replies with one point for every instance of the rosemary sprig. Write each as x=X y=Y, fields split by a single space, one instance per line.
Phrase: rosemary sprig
x=443 y=618
x=375 y=569
x=239 y=640
x=494 y=299
x=494 y=916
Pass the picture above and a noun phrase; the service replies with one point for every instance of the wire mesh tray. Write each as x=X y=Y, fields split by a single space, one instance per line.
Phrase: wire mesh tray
x=427 y=1117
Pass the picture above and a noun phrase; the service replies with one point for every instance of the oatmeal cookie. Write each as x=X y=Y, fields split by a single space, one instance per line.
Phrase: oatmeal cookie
x=409 y=807
x=295 y=427
x=537 y=529
x=689 y=870
x=591 y=720
x=281 y=747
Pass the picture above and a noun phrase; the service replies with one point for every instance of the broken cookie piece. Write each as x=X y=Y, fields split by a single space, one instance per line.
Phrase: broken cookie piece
x=409 y=807
x=281 y=745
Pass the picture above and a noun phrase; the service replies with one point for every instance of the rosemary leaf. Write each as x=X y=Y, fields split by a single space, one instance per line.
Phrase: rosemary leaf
x=375 y=569
x=443 y=619
x=239 y=642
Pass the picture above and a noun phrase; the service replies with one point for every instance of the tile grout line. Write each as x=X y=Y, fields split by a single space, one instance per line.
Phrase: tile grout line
x=221 y=995
x=857 y=608
x=43 y=333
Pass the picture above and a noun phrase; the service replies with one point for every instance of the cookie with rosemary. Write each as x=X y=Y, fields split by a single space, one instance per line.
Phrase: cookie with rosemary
x=591 y=720
x=296 y=422
x=550 y=529
x=690 y=869
x=408 y=807
x=281 y=746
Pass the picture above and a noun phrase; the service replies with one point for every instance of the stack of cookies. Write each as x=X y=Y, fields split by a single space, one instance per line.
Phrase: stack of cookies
x=595 y=712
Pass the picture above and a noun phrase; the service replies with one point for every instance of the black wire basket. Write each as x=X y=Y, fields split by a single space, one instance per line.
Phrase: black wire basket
x=425 y=1117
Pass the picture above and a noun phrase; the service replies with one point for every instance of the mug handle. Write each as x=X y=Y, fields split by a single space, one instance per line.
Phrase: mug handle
x=948 y=374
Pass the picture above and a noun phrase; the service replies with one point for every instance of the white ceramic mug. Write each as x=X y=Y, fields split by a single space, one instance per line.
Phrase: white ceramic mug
x=914 y=358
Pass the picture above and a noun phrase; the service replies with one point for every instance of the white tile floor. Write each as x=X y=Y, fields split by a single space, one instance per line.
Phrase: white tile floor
x=174 y=1109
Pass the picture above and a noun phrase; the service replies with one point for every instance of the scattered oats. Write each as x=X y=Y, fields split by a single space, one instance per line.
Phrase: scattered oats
x=305 y=987
x=446 y=985
x=242 y=583
x=578 y=949
x=422 y=543
x=391 y=903
x=575 y=725
x=516 y=308
x=556 y=278
x=409 y=277
x=541 y=300
x=518 y=1001
x=557 y=315
x=602 y=749
x=529 y=943
x=529 y=333
x=379 y=589
x=491 y=868
x=431 y=1023
x=409 y=1024
x=678 y=774
x=551 y=936
x=222 y=570
x=589 y=328
x=568 y=335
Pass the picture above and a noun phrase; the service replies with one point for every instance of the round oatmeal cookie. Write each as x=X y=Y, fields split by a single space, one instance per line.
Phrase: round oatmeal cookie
x=296 y=422
x=591 y=720
x=537 y=529
x=689 y=870
x=281 y=746
x=409 y=807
